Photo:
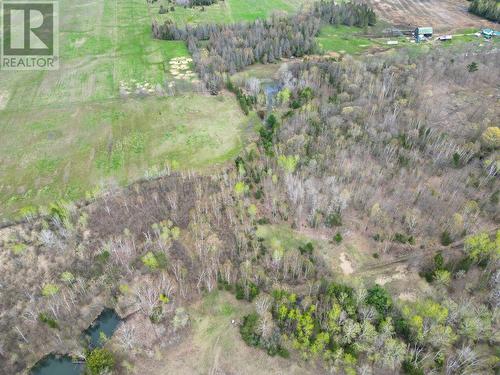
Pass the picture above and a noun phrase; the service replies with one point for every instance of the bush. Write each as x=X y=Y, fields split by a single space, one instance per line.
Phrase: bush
x=50 y=290
x=253 y=291
x=480 y=247
x=411 y=369
x=446 y=239
x=154 y=260
x=99 y=360
x=333 y=220
x=491 y=137
x=472 y=67
x=45 y=318
x=463 y=265
x=306 y=249
x=438 y=261
x=402 y=238
x=379 y=298
x=247 y=330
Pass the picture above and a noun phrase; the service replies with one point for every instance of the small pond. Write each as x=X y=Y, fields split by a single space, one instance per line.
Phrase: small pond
x=106 y=324
x=271 y=89
x=57 y=365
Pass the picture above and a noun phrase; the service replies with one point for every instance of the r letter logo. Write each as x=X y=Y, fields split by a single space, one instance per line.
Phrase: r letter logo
x=30 y=35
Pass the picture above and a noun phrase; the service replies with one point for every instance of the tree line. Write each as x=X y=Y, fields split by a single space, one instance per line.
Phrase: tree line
x=489 y=9
x=221 y=49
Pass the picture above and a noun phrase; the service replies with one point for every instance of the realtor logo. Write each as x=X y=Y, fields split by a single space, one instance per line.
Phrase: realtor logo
x=30 y=35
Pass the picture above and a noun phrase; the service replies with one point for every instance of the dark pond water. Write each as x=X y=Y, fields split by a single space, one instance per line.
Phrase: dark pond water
x=271 y=89
x=106 y=323
x=57 y=365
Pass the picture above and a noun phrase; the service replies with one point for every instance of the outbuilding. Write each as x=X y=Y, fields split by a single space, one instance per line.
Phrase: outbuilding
x=422 y=33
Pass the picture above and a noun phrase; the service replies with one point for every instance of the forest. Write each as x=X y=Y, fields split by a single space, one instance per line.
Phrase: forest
x=231 y=48
x=330 y=151
x=489 y=9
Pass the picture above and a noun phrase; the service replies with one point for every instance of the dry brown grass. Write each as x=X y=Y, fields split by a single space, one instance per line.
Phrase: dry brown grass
x=214 y=345
x=443 y=15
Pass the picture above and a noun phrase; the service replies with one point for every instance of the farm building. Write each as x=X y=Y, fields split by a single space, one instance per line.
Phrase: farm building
x=423 y=31
x=488 y=33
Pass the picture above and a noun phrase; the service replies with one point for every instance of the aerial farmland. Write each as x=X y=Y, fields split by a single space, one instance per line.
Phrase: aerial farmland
x=104 y=118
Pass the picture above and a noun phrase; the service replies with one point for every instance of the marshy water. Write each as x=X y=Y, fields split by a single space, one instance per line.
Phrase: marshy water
x=57 y=365
x=104 y=326
x=271 y=90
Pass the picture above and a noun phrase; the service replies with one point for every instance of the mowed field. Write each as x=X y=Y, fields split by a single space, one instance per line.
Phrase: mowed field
x=226 y=11
x=65 y=132
x=442 y=15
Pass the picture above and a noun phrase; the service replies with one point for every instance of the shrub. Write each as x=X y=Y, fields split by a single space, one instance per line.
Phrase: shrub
x=379 y=298
x=49 y=290
x=442 y=277
x=154 y=261
x=411 y=369
x=402 y=238
x=438 y=261
x=253 y=291
x=103 y=257
x=282 y=352
x=479 y=247
x=472 y=67
x=45 y=318
x=67 y=277
x=181 y=318
x=247 y=330
x=99 y=361
x=491 y=137
x=446 y=239
x=306 y=249
x=334 y=220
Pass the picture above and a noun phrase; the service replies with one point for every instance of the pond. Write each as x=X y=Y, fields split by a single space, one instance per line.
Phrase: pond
x=271 y=89
x=106 y=324
x=57 y=365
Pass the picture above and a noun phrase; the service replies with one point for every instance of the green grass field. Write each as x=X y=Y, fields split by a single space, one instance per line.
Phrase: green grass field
x=66 y=131
x=226 y=11
x=343 y=39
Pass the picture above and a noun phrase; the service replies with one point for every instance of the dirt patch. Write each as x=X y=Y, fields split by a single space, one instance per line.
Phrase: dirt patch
x=80 y=42
x=408 y=296
x=4 y=98
x=345 y=264
x=442 y=15
x=400 y=274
